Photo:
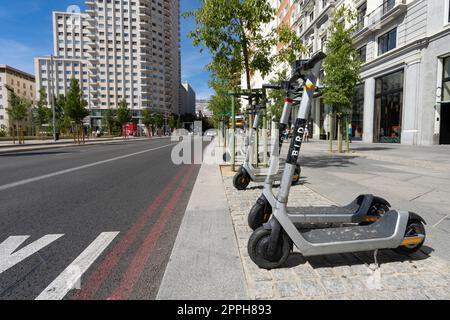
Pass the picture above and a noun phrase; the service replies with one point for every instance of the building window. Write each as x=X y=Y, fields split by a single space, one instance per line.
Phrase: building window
x=446 y=81
x=361 y=15
x=388 y=108
x=362 y=53
x=448 y=4
x=358 y=113
x=387 y=41
x=388 y=5
x=444 y=112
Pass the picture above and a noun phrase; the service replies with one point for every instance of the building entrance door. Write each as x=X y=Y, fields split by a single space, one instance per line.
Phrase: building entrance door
x=445 y=124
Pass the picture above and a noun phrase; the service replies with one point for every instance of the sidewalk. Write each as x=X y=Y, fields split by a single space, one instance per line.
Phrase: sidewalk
x=429 y=157
x=205 y=263
x=210 y=259
x=340 y=276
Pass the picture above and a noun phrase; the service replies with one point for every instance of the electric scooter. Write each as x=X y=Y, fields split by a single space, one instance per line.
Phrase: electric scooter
x=364 y=209
x=248 y=172
x=270 y=246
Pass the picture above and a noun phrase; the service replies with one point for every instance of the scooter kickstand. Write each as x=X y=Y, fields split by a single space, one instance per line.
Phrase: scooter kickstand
x=375 y=266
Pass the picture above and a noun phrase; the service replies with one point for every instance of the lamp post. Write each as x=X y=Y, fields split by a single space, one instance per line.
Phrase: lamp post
x=52 y=65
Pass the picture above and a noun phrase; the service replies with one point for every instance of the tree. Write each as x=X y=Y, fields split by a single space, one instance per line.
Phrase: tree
x=18 y=111
x=148 y=121
x=179 y=122
x=75 y=108
x=172 y=122
x=342 y=66
x=110 y=120
x=41 y=111
x=277 y=97
x=124 y=116
x=159 y=122
x=232 y=30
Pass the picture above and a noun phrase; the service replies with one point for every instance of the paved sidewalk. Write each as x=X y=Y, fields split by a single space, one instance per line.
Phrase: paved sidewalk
x=205 y=263
x=341 y=276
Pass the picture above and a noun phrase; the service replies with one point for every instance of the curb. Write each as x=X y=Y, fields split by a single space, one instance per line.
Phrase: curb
x=205 y=263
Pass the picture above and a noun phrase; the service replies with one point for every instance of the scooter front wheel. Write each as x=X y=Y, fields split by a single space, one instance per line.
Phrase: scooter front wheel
x=259 y=214
x=241 y=180
x=258 y=245
x=414 y=228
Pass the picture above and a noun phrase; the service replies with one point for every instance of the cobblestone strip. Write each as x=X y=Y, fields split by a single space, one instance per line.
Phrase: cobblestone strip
x=340 y=276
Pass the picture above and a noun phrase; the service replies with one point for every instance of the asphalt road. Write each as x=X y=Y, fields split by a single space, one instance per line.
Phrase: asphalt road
x=101 y=218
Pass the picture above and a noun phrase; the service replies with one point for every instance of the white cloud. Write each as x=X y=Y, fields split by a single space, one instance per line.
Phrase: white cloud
x=17 y=55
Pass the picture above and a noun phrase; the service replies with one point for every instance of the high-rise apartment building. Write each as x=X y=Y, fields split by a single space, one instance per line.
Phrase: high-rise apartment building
x=23 y=85
x=118 y=50
x=187 y=98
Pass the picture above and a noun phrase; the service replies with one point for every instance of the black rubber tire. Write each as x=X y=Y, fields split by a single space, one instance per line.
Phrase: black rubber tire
x=257 y=244
x=414 y=226
x=258 y=215
x=241 y=180
x=377 y=209
x=298 y=173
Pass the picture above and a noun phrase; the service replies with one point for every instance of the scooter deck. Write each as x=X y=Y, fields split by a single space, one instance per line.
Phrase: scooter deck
x=382 y=229
x=355 y=212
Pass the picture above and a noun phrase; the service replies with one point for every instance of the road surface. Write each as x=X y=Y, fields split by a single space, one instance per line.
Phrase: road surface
x=102 y=219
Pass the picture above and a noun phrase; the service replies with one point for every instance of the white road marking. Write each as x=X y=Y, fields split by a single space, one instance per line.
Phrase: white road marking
x=71 y=276
x=8 y=259
x=58 y=173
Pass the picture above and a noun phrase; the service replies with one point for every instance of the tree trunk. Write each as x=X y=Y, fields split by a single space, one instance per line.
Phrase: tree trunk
x=347 y=134
x=330 y=131
x=340 y=134
x=18 y=132
x=245 y=53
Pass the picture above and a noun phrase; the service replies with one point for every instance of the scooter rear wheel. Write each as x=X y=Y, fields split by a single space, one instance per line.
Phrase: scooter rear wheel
x=414 y=228
x=296 y=179
x=241 y=180
x=258 y=246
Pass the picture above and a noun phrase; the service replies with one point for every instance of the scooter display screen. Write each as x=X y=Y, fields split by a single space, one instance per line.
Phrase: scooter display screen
x=296 y=143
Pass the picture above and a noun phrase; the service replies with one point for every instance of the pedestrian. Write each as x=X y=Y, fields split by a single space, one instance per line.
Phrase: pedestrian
x=306 y=138
x=350 y=133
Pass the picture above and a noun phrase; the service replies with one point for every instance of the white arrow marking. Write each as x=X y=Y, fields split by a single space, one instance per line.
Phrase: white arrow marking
x=70 y=277
x=8 y=259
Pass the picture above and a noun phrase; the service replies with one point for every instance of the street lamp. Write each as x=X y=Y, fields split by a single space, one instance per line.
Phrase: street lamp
x=52 y=65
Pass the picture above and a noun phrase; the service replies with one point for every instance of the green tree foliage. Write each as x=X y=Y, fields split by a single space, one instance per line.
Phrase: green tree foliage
x=110 y=120
x=234 y=33
x=18 y=110
x=75 y=109
x=342 y=65
x=124 y=115
x=159 y=123
x=172 y=121
x=40 y=112
x=232 y=30
x=148 y=121
x=277 y=97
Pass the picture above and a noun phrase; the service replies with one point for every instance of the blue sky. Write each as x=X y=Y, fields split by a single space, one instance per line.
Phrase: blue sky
x=26 y=32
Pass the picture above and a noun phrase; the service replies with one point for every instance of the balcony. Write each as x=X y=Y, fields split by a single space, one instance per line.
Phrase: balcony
x=387 y=12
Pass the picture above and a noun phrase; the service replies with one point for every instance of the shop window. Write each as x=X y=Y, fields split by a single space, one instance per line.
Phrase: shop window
x=446 y=81
x=389 y=108
x=357 y=119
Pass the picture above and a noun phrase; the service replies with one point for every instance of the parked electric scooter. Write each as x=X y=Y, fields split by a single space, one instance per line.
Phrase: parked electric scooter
x=364 y=209
x=270 y=246
x=248 y=172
